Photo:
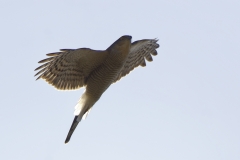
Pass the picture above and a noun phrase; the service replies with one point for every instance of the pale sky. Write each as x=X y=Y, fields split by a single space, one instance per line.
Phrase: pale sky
x=184 y=105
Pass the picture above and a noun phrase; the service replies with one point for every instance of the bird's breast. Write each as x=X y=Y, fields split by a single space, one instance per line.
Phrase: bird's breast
x=103 y=76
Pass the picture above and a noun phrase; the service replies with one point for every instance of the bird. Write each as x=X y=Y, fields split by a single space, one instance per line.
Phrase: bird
x=96 y=70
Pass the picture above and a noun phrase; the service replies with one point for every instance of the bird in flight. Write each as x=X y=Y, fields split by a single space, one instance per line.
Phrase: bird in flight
x=95 y=70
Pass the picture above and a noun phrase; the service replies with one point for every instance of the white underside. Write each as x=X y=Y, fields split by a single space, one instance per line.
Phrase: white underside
x=83 y=102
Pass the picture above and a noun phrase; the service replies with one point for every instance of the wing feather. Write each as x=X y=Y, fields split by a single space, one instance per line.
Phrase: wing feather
x=139 y=51
x=69 y=69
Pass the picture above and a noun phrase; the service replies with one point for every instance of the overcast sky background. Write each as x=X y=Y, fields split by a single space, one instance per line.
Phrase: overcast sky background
x=184 y=105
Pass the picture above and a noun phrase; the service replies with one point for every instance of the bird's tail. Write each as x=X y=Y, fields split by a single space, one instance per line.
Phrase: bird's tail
x=82 y=109
x=73 y=127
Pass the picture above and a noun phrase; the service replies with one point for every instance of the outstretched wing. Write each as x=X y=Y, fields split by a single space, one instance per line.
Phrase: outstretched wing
x=139 y=51
x=69 y=69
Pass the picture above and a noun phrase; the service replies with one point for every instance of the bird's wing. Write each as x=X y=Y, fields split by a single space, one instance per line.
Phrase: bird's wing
x=139 y=51
x=69 y=69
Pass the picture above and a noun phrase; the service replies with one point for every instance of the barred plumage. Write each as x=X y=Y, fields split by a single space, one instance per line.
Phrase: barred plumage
x=96 y=70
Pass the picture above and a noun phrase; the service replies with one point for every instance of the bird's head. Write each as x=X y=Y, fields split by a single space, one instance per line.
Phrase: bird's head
x=122 y=45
